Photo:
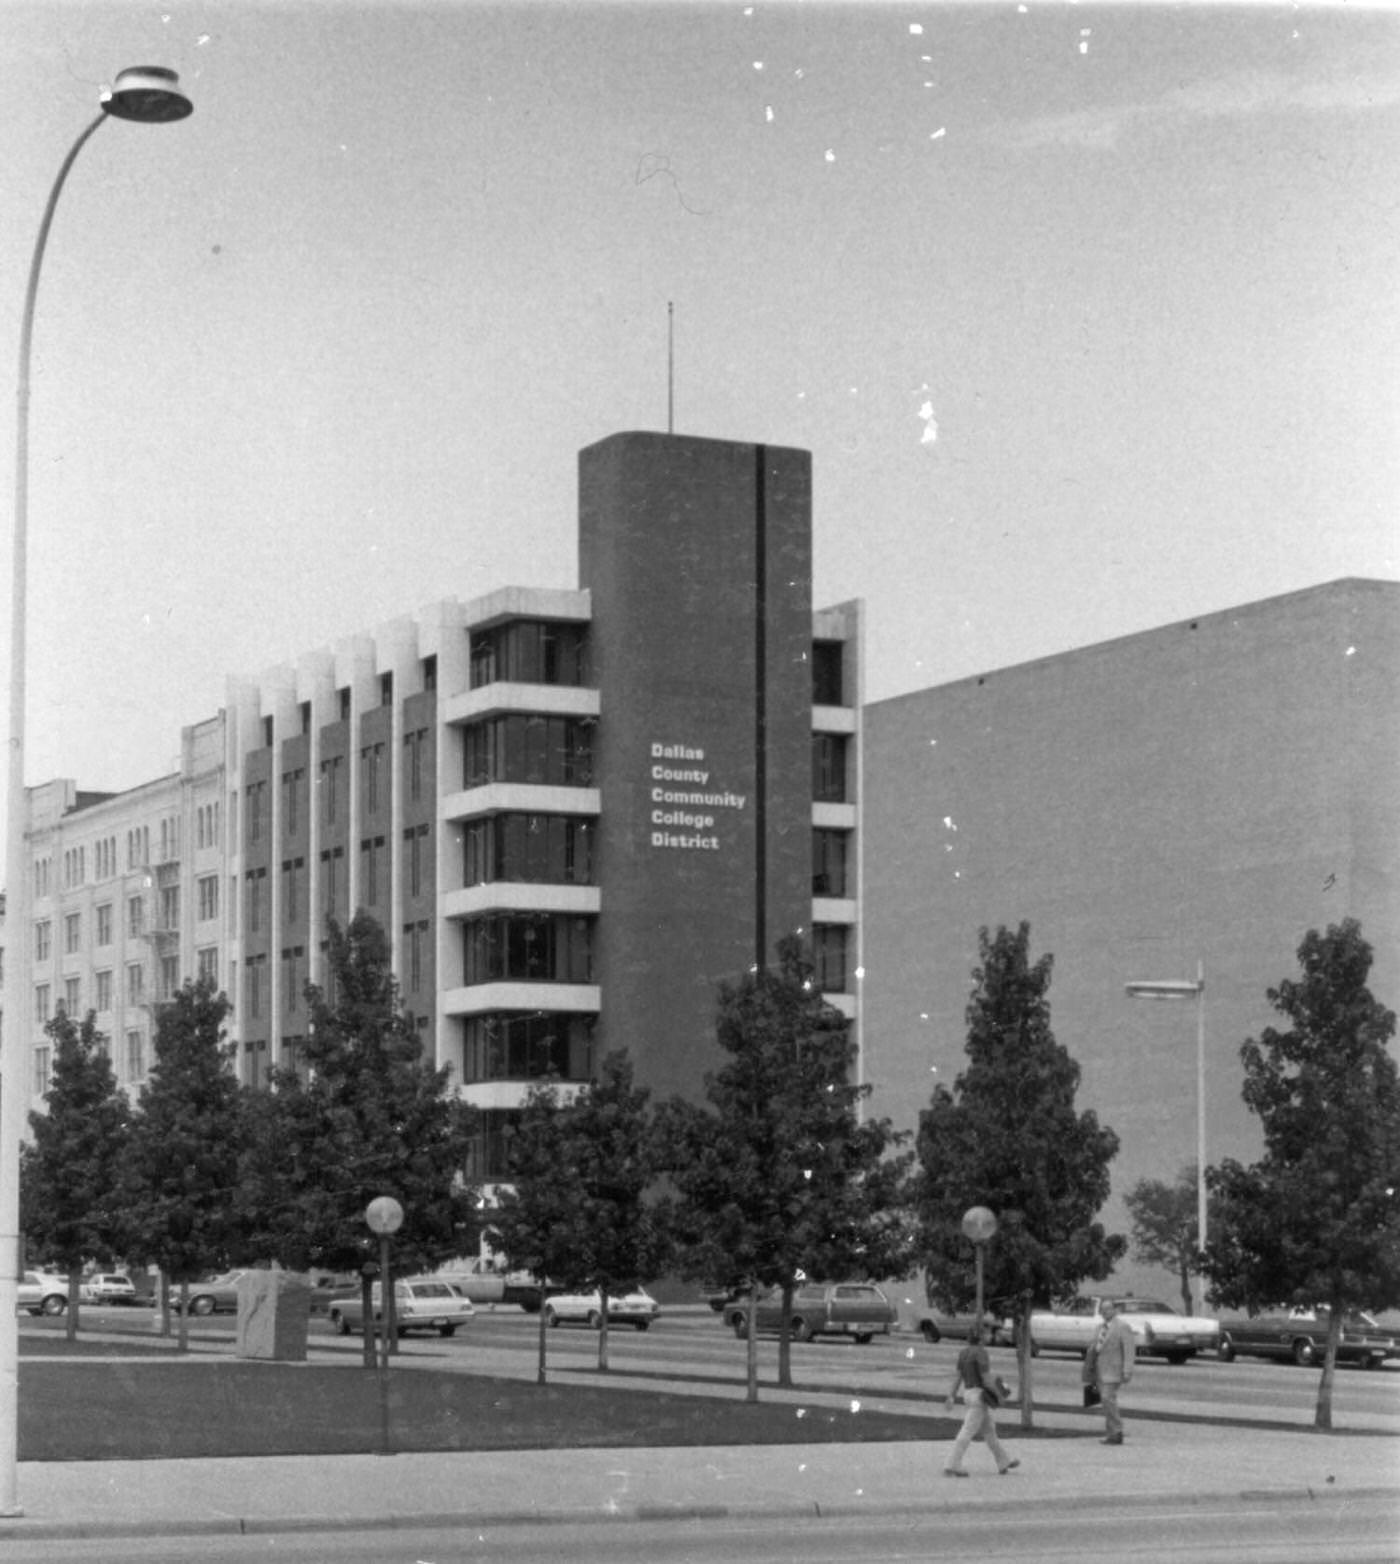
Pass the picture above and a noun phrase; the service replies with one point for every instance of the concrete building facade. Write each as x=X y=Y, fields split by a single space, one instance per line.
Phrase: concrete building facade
x=1205 y=793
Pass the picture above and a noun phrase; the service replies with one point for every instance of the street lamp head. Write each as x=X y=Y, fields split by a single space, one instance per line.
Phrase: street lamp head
x=149 y=94
x=1165 y=989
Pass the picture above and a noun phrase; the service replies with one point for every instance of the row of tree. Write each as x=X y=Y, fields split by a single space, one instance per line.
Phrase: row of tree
x=779 y=1174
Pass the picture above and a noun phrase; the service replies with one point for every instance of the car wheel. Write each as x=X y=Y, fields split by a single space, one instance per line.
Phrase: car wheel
x=595 y=1320
x=447 y=1330
x=642 y=1324
x=864 y=1338
x=339 y=1324
x=1304 y=1353
x=201 y=1303
x=801 y=1331
x=55 y=1303
x=1035 y=1348
x=740 y=1326
x=930 y=1332
x=551 y=1318
x=1226 y=1350
x=1176 y=1358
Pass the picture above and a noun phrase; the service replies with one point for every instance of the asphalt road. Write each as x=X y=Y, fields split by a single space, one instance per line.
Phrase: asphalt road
x=892 y=1372
x=1358 y=1531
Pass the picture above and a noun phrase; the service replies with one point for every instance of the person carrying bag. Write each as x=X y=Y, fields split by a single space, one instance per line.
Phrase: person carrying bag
x=981 y=1392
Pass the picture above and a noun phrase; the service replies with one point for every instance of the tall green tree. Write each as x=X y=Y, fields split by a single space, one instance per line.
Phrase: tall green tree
x=1317 y=1219
x=1008 y=1136
x=69 y=1210
x=543 y=1208
x=1165 y=1226
x=363 y=1114
x=780 y=1177
x=180 y=1178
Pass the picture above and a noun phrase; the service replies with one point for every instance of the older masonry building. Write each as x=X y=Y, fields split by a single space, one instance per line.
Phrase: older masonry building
x=574 y=812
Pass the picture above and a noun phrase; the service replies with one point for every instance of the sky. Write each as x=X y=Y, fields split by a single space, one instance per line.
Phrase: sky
x=1087 y=314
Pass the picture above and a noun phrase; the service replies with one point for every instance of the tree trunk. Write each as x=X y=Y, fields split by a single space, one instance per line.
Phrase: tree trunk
x=182 y=1336
x=75 y=1282
x=751 y=1342
x=1323 y=1418
x=544 y=1326
x=367 y=1327
x=785 y=1339
x=603 y=1330
x=1024 y=1372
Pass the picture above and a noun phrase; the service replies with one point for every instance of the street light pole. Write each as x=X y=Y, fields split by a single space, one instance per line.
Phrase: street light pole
x=1170 y=989
x=148 y=95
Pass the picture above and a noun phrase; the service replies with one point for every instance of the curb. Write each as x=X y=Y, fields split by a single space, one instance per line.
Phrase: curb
x=13 y=1529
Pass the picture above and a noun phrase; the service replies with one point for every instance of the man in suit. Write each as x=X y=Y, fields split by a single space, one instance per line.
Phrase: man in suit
x=1116 y=1349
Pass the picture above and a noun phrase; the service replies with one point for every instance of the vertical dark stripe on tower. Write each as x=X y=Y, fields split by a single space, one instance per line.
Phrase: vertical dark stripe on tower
x=760 y=706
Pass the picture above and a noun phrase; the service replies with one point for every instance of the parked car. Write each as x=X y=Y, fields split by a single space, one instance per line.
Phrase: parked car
x=935 y=1324
x=478 y=1280
x=420 y=1303
x=106 y=1287
x=327 y=1286
x=858 y=1309
x=1300 y=1336
x=43 y=1292
x=213 y=1295
x=633 y=1306
x=1159 y=1328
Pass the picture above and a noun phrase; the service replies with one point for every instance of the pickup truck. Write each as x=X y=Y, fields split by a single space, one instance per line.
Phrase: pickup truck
x=858 y=1309
x=421 y=1303
x=1159 y=1329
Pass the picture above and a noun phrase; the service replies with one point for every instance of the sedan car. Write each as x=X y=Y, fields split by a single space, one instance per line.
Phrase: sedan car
x=1160 y=1330
x=935 y=1325
x=420 y=1303
x=107 y=1287
x=1300 y=1336
x=43 y=1292
x=633 y=1306
x=214 y=1295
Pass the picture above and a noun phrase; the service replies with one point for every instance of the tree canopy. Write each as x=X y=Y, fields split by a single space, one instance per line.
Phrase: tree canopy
x=69 y=1208
x=1165 y=1222
x=1317 y=1219
x=781 y=1177
x=1008 y=1136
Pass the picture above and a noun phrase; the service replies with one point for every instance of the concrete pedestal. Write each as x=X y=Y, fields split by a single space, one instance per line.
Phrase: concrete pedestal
x=274 y=1310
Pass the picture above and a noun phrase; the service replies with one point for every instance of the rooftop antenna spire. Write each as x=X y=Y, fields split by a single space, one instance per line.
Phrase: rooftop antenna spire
x=670 y=367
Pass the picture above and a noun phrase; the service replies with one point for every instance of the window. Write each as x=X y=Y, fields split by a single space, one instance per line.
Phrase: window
x=104 y=991
x=293 y=794
x=527 y=747
x=255 y=985
x=255 y=899
x=415 y=939
x=829 y=862
x=416 y=759
x=525 y=1045
x=135 y=984
x=332 y=880
x=829 y=768
x=207 y=890
x=257 y=810
x=104 y=924
x=170 y=907
x=135 y=1056
x=386 y=689
x=207 y=964
x=529 y=948
x=169 y=976
x=371 y=765
x=330 y=787
x=41 y=1071
x=43 y=1003
x=72 y=933
x=826 y=673
x=829 y=956
x=373 y=870
x=135 y=916
x=418 y=858
x=42 y=868
x=293 y=888
x=540 y=849
x=530 y=652
x=73 y=996
x=43 y=940
x=293 y=978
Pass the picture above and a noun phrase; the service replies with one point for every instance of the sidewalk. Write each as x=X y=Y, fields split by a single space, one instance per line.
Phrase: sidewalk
x=1179 y=1462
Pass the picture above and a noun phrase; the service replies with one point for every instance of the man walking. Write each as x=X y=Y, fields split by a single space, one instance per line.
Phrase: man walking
x=1116 y=1349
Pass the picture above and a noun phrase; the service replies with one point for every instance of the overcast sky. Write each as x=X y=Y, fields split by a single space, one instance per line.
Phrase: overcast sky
x=1088 y=315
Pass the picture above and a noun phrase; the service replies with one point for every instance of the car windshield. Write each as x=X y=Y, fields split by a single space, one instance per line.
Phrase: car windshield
x=1144 y=1306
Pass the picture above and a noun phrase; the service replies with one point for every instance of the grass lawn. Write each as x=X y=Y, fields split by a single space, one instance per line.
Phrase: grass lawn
x=142 y=1404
